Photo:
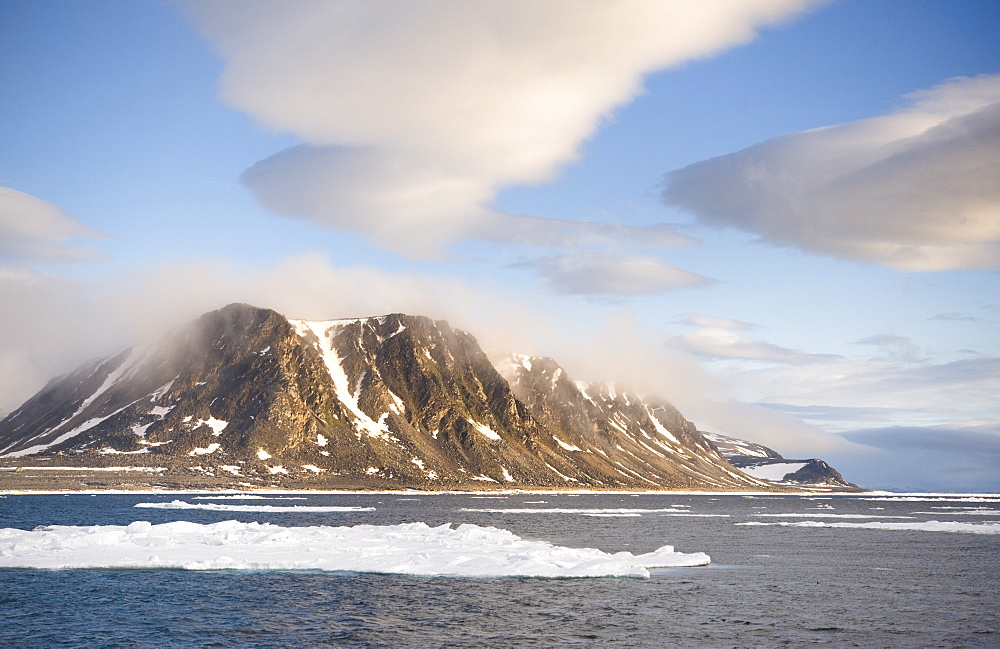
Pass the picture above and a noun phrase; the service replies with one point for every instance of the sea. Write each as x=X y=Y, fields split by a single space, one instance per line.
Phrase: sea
x=786 y=571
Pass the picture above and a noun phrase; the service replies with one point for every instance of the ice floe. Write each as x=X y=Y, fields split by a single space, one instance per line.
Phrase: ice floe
x=917 y=526
x=409 y=548
x=939 y=498
x=180 y=504
x=828 y=515
x=592 y=512
x=965 y=512
x=248 y=497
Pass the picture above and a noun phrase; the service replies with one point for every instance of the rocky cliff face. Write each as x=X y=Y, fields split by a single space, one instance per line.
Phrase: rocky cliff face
x=609 y=431
x=246 y=396
x=767 y=464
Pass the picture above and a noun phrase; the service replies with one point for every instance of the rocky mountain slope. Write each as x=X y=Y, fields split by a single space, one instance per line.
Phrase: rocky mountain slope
x=244 y=396
x=767 y=464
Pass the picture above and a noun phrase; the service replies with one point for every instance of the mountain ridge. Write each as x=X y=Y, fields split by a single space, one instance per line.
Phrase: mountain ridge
x=767 y=464
x=244 y=396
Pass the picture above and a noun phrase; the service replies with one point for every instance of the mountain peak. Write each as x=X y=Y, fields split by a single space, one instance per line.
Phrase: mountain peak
x=245 y=396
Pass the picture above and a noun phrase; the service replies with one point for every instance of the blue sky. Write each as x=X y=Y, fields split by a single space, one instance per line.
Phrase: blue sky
x=781 y=215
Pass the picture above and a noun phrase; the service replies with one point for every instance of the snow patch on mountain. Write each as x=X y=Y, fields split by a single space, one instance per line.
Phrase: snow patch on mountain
x=325 y=332
x=485 y=430
x=775 y=472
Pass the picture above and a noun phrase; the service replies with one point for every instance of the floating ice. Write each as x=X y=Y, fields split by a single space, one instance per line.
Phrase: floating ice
x=968 y=512
x=828 y=515
x=939 y=498
x=583 y=512
x=409 y=548
x=248 y=497
x=180 y=504
x=918 y=526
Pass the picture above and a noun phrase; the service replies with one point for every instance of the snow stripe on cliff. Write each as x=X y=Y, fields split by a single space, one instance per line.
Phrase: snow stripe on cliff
x=325 y=332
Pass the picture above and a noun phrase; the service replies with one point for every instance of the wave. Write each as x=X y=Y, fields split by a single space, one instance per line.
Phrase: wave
x=180 y=504
x=918 y=526
x=409 y=548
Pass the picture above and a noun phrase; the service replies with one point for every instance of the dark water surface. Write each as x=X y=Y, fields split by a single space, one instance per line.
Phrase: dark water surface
x=768 y=586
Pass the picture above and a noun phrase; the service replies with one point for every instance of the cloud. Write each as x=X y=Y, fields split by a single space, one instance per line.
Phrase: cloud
x=414 y=115
x=40 y=342
x=787 y=435
x=719 y=343
x=594 y=274
x=892 y=347
x=48 y=329
x=928 y=459
x=32 y=229
x=953 y=317
x=917 y=189
x=828 y=413
x=959 y=373
x=708 y=321
x=856 y=393
x=403 y=206
x=931 y=439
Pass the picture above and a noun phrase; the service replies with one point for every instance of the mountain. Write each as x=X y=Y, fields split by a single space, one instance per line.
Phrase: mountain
x=767 y=464
x=244 y=396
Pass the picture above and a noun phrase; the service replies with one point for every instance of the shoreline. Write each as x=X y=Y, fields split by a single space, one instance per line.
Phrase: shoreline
x=39 y=475
x=464 y=492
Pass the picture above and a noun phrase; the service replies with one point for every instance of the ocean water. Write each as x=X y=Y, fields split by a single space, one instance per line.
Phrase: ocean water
x=786 y=571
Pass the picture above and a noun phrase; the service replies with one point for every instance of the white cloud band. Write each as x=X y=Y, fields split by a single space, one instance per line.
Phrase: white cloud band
x=32 y=229
x=414 y=115
x=918 y=189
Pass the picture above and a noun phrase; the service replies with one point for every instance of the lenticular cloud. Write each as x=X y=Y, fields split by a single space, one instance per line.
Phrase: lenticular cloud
x=413 y=115
x=409 y=549
x=917 y=189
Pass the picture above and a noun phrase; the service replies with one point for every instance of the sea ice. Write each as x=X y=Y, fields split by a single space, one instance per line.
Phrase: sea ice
x=917 y=526
x=829 y=515
x=409 y=548
x=584 y=512
x=940 y=498
x=248 y=497
x=180 y=504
